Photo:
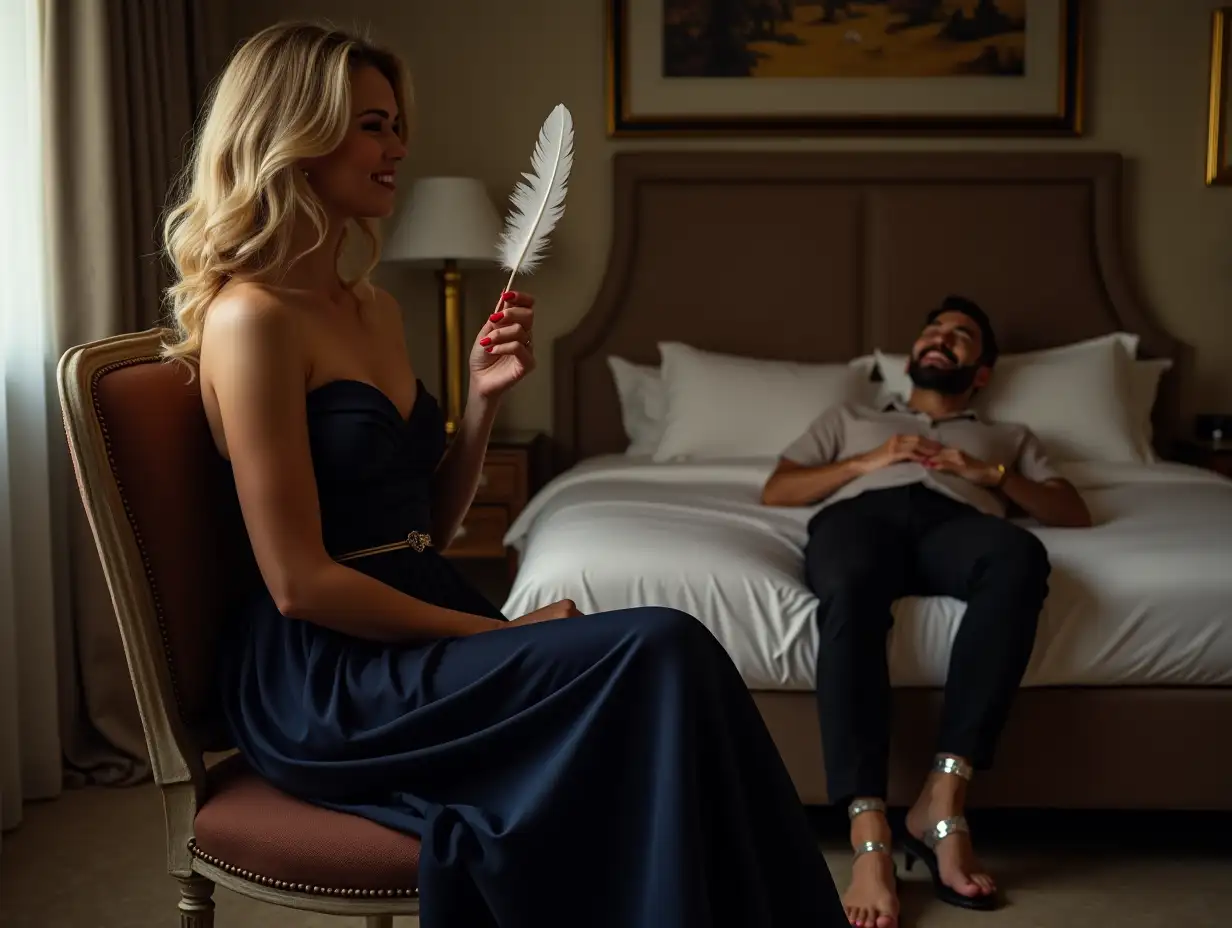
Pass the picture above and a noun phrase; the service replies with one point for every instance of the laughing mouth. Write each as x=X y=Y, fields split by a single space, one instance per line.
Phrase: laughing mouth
x=937 y=354
x=385 y=180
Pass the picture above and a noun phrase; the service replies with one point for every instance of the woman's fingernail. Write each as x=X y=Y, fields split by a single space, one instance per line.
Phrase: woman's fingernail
x=509 y=295
x=488 y=349
x=496 y=317
x=485 y=341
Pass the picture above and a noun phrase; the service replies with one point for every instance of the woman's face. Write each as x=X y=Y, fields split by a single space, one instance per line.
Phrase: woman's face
x=356 y=180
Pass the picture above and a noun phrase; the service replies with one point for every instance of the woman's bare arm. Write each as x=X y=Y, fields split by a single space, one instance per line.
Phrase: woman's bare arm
x=256 y=376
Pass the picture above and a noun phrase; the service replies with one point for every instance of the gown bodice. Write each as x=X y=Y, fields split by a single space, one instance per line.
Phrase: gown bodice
x=373 y=468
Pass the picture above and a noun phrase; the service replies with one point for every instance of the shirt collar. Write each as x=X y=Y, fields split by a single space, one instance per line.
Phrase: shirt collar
x=898 y=404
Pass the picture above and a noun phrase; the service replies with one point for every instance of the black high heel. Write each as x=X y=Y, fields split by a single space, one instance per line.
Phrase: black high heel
x=922 y=850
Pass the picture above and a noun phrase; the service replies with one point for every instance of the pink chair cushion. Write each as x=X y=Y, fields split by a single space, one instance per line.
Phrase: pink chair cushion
x=258 y=832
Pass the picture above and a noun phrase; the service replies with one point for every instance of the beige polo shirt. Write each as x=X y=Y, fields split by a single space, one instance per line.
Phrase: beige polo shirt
x=847 y=430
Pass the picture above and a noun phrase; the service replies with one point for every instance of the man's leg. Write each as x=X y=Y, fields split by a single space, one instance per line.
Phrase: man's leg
x=1001 y=570
x=857 y=563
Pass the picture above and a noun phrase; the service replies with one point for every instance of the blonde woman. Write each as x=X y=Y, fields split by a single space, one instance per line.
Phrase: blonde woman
x=606 y=770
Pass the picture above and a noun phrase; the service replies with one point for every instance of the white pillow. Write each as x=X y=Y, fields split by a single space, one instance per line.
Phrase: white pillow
x=865 y=364
x=729 y=406
x=1144 y=377
x=643 y=403
x=1078 y=404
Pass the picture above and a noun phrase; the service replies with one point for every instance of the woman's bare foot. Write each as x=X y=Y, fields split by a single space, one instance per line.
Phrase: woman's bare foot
x=944 y=796
x=871 y=901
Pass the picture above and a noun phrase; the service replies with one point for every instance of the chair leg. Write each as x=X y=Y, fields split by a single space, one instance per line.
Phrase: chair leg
x=196 y=902
x=380 y=921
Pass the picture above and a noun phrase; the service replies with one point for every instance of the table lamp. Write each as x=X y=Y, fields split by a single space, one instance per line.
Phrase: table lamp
x=450 y=224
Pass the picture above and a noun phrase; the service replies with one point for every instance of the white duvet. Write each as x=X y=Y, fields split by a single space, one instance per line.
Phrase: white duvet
x=1144 y=597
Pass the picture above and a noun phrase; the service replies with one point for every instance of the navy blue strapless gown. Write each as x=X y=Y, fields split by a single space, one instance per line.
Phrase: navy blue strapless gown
x=607 y=771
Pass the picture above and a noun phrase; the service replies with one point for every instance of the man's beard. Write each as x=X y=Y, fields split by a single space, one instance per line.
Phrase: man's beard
x=949 y=381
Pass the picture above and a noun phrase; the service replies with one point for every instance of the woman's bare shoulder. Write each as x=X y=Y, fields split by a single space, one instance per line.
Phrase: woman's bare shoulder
x=248 y=304
x=247 y=318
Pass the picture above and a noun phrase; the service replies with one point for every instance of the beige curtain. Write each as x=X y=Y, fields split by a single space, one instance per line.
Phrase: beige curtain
x=123 y=80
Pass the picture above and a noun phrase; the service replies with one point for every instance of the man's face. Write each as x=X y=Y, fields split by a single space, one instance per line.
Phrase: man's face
x=946 y=356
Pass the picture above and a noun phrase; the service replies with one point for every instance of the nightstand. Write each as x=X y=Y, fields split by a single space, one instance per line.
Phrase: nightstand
x=1211 y=456
x=513 y=469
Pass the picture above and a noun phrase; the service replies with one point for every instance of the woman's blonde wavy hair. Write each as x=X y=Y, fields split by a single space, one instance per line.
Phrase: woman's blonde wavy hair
x=284 y=96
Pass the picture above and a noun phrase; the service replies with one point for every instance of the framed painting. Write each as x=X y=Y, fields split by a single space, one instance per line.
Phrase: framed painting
x=800 y=67
x=1218 y=169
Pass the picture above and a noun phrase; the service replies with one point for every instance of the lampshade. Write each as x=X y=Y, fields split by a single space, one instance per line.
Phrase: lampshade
x=446 y=218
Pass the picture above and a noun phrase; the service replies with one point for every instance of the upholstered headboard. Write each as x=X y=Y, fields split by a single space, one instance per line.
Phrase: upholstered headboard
x=825 y=256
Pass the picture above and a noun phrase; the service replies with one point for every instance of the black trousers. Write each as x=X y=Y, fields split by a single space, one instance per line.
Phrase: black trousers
x=863 y=554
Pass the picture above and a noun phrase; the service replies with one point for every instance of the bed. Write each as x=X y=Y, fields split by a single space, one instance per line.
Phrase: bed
x=794 y=260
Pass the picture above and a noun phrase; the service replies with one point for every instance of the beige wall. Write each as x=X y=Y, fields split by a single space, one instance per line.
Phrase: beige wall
x=492 y=69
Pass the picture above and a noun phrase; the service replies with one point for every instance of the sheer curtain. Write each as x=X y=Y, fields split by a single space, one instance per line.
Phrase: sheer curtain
x=98 y=100
x=30 y=752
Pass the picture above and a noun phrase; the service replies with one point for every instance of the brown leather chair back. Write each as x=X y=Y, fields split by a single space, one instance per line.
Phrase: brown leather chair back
x=167 y=524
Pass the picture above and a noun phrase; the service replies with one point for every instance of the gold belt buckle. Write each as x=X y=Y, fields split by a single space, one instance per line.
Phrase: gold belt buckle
x=417 y=541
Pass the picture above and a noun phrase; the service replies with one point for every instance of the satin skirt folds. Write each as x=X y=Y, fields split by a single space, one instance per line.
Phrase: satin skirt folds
x=608 y=771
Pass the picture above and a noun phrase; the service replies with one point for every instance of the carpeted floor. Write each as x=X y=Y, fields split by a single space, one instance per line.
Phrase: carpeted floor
x=95 y=859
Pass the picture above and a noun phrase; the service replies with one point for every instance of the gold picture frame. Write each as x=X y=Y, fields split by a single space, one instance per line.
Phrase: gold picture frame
x=1218 y=168
x=644 y=102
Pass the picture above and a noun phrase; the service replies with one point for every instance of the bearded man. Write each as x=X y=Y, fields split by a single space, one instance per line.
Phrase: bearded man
x=912 y=500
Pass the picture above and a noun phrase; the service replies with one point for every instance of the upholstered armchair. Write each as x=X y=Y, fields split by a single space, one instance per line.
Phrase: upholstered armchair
x=171 y=540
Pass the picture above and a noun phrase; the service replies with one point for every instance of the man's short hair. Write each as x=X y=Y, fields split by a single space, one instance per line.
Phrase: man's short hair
x=971 y=309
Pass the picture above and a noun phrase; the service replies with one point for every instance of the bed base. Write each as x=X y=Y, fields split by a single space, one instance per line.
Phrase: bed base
x=1063 y=748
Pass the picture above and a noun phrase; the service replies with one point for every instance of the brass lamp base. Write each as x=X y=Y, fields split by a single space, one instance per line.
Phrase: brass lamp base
x=453 y=355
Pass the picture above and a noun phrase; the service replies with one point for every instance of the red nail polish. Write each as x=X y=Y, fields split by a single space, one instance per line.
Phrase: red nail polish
x=496 y=317
x=509 y=295
x=485 y=341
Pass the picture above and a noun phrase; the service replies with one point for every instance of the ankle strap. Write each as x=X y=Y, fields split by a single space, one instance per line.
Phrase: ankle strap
x=944 y=828
x=953 y=766
x=860 y=806
x=870 y=847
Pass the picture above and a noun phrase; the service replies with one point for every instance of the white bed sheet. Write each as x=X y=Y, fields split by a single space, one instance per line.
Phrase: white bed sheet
x=1142 y=598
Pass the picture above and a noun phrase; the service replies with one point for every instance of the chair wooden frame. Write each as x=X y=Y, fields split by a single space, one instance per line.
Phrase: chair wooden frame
x=176 y=756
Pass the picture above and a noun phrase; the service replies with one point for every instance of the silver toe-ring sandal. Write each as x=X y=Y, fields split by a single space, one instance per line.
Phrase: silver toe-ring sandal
x=924 y=850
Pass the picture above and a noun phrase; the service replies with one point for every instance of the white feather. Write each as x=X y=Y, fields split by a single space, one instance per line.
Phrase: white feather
x=539 y=202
